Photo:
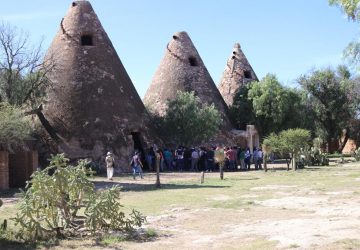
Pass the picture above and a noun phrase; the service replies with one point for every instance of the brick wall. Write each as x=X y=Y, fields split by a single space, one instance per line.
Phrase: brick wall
x=4 y=170
x=21 y=166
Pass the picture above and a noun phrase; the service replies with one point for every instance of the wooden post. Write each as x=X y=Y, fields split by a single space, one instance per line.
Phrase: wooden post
x=202 y=177
x=265 y=162
x=157 y=183
x=221 y=171
x=4 y=170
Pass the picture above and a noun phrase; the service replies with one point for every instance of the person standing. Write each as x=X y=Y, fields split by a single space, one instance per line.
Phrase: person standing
x=242 y=159
x=179 y=153
x=194 y=160
x=260 y=158
x=231 y=155
x=210 y=160
x=256 y=158
x=110 y=162
x=247 y=158
x=168 y=159
x=136 y=165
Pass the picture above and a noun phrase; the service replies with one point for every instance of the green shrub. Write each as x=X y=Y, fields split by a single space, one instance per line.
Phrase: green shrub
x=151 y=233
x=65 y=204
x=357 y=154
x=14 y=128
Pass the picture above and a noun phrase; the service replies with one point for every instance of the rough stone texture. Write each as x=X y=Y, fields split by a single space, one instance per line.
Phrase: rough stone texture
x=237 y=73
x=93 y=106
x=182 y=69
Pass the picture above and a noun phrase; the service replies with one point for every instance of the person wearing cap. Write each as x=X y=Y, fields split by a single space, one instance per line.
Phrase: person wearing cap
x=110 y=162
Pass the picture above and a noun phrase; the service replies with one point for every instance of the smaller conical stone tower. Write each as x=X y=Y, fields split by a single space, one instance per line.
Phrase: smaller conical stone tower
x=237 y=73
x=92 y=106
x=182 y=69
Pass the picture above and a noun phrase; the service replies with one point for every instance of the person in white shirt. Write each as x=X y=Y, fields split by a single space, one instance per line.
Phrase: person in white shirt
x=194 y=160
x=110 y=162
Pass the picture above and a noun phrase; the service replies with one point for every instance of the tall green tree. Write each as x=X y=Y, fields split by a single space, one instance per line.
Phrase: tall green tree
x=274 y=105
x=23 y=72
x=352 y=9
x=271 y=107
x=188 y=121
x=289 y=142
x=330 y=96
x=242 y=111
x=14 y=128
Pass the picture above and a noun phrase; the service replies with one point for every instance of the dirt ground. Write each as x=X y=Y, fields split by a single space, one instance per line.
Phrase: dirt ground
x=310 y=209
x=295 y=217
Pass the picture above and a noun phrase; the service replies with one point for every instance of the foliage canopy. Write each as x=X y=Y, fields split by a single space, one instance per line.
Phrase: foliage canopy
x=188 y=121
x=332 y=98
x=14 y=128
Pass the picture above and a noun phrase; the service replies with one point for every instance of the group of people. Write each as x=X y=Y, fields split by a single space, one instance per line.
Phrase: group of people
x=202 y=158
x=190 y=159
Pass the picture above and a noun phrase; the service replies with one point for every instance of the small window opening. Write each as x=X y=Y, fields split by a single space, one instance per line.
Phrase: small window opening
x=247 y=74
x=234 y=53
x=233 y=57
x=175 y=37
x=73 y=4
x=193 y=62
x=87 y=40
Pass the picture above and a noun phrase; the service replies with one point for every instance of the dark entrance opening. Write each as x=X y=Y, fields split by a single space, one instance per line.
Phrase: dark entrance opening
x=193 y=62
x=138 y=146
x=247 y=74
x=87 y=40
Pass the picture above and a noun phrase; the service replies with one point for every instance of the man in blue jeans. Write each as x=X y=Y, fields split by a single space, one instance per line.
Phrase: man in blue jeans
x=136 y=165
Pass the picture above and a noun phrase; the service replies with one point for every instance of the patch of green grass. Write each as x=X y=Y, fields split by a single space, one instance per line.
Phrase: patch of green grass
x=151 y=233
x=259 y=243
x=294 y=246
x=109 y=240
x=349 y=244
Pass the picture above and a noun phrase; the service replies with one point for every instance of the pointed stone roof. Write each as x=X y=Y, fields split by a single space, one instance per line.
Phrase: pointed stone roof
x=182 y=69
x=237 y=73
x=92 y=105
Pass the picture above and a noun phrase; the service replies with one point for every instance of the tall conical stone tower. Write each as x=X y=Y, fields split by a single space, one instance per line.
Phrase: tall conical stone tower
x=92 y=106
x=182 y=69
x=237 y=73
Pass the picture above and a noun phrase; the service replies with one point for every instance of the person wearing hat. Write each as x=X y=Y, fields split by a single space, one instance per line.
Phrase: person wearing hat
x=110 y=162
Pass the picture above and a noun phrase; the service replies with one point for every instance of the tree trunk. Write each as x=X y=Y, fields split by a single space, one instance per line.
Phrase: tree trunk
x=265 y=162
x=202 y=177
x=221 y=171
x=288 y=164
x=157 y=183
x=293 y=162
x=343 y=143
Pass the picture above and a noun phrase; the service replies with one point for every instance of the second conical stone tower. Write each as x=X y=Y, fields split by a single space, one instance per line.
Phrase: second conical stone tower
x=237 y=73
x=182 y=69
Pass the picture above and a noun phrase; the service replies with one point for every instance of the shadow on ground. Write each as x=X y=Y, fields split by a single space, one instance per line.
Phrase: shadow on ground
x=10 y=193
x=139 y=187
x=14 y=245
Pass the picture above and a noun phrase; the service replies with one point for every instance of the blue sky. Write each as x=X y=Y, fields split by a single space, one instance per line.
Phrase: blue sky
x=284 y=37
